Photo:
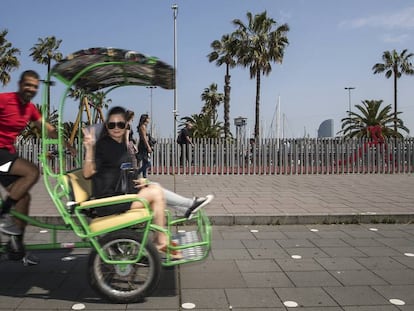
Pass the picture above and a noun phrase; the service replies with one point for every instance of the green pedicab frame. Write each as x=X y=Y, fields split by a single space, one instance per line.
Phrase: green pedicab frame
x=106 y=69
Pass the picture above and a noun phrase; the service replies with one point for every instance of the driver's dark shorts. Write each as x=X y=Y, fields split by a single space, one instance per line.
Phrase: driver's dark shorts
x=6 y=161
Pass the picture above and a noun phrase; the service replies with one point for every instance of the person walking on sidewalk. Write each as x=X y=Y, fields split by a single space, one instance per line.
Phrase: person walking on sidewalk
x=184 y=140
x=17 y=175
x=144 y=145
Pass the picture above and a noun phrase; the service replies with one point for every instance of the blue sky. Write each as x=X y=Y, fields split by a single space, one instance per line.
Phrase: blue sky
x=333 y=44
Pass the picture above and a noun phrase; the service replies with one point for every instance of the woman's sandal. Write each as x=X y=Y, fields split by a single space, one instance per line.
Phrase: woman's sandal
x=175 y=254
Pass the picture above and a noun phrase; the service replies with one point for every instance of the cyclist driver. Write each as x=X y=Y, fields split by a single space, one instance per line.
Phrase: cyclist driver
x=17 y=175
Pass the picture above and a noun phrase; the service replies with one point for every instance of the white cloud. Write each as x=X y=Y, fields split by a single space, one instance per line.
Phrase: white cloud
x=390 y=38
x=403 y=19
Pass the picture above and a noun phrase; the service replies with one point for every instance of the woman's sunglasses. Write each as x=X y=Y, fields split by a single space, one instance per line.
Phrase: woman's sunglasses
x=112 y=125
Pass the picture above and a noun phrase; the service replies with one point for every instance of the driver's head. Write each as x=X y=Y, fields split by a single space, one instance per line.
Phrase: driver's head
x=28 y=85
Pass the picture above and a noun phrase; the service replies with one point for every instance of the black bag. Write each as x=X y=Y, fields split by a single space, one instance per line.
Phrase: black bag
x=126 y=183
x=151 y=140
x=181 y=138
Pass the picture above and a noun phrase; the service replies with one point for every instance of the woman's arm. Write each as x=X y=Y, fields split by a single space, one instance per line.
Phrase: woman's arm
x=143 y=132
x=89 y=168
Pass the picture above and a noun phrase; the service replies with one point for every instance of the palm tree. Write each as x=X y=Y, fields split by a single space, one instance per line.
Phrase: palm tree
x=8 y=59
x=212 y=100
x=371 y=113
x=44 y=52
x=259 y=46
x=395 y=65
x=202 y=126
x=223 y=53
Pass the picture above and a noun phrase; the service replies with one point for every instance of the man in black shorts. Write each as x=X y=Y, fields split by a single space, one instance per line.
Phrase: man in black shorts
x=17 y=175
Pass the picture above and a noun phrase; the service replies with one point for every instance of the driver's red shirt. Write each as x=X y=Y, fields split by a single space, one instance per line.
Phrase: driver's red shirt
x=14 y=117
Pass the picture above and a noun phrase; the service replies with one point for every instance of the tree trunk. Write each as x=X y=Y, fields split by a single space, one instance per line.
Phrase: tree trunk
x=395 y=103
x=257 y=117
x=227 y=103
x=48 y=91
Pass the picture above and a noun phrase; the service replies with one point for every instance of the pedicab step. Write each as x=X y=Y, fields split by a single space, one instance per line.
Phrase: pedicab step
x=190 y=237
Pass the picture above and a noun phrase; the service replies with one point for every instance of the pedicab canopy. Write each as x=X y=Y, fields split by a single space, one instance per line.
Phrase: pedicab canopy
x=99 y=68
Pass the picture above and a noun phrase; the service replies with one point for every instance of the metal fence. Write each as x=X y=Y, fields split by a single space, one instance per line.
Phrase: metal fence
x=269 y=157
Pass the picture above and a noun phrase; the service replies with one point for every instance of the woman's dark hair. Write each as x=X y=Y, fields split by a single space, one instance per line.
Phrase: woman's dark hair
x=112 y=111
x=116 y=110
x=129 y=115
x=142 y=119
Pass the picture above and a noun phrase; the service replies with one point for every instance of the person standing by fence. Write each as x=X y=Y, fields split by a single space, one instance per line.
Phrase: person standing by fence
x=144 y=146
x=130 y=141
x=184 y=140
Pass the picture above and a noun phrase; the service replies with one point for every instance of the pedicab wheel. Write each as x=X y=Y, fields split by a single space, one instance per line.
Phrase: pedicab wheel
x=124 y=283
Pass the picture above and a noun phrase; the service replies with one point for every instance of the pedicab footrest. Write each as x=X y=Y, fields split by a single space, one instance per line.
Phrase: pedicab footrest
x=190 y=237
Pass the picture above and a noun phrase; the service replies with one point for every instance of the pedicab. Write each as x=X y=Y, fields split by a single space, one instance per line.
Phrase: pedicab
x=123 y=265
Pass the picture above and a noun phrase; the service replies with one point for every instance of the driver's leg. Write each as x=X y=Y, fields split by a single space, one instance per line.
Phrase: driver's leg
x=28 y=175
x=19 y=178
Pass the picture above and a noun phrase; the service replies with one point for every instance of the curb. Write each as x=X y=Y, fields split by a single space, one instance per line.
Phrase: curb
x=248 y=220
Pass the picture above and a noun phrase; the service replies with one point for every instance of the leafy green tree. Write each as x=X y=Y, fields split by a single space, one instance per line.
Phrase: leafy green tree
x=258 y=46
x=212 y=100
x=8 y=58
x=202 y=126
x=395 y=65
x=44 y=52
x=224 y=53
x=370 y=114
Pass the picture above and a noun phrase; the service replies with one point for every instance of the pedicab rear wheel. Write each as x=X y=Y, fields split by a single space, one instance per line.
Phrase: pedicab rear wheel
x=124 y=283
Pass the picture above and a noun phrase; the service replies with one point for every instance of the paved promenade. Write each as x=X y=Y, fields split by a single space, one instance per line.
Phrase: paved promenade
x=301 y=264
x=296 y=199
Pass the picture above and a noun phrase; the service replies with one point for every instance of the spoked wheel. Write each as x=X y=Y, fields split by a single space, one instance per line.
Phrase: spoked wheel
x=124 y=283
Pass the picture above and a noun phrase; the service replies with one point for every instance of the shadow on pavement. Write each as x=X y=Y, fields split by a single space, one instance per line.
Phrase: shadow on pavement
x=61 y=275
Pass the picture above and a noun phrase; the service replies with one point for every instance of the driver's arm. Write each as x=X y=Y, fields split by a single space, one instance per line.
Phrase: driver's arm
x=52 y=133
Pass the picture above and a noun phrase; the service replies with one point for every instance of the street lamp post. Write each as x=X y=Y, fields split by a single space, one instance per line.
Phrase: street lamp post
x=151 y=87
x=174 y=7
x=349 y=88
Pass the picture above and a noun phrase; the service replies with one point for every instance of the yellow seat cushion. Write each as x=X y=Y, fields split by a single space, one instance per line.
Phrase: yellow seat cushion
x=102 y=223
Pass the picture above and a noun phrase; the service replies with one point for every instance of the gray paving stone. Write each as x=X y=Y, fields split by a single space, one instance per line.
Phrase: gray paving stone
x=307 y=264
x=307 y=252
x=402 y=292
x=373 y=308
x=291 y=243
x=213 y=274
x=396 y=277
x=381 y=263
x=338 y=263
x=356 y=296
x=259 y=265
x=306 y=297
x=356 y=242
x=375 y=251
x=260 y=244
x=312 y=278
x=329 y=242
x=266 y=253
x=357 y=277
x=253 y=298
x=343 y=252
x=223 y=254
x=266 y=279
x=206 y=298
